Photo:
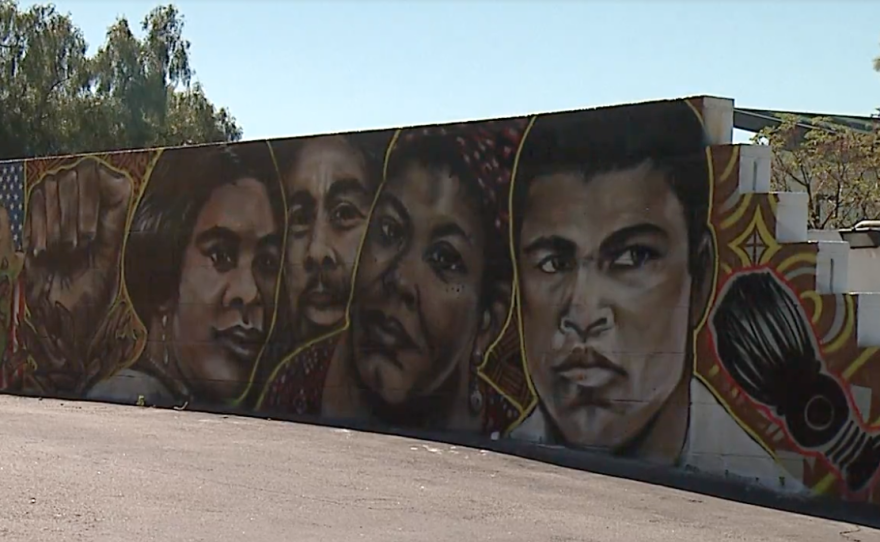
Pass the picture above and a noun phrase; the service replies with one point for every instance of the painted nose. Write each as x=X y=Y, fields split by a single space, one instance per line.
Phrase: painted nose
x=243 y=293
x=320 y=254
x=587 y=314
x=400 y=280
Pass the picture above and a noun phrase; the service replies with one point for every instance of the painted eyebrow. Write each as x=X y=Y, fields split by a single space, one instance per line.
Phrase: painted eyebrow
x=451 y=229
x=552 y=243
x=618 y=239
x=395 y=203
x=273 y=240
x=301 y=197
x=345 y=186
x=217 y=233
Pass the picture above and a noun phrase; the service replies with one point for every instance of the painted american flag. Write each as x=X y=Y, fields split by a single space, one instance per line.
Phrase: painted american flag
x=12 y=197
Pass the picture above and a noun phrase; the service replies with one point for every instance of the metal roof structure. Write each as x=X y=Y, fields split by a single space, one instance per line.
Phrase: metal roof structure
x=753 y=120
x=866 y=234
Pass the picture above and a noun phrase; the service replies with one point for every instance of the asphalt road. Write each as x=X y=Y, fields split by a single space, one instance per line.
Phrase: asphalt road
x=91 y=472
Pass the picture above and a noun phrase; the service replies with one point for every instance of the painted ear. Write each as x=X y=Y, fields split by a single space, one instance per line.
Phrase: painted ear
x=702 y=278
x=494 y=316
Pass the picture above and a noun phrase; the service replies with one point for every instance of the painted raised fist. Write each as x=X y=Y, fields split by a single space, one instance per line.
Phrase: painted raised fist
x=74 y=232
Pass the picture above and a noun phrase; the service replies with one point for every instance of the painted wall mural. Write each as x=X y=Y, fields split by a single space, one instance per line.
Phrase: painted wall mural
x=594 y=279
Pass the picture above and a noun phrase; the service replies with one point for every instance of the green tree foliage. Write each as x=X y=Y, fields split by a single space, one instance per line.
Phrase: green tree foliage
x=132 y=92
x=836 y=166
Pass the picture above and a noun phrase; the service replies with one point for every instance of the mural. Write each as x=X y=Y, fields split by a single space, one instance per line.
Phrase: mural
x=431 y=294
x=764 y=341
x=593 y=279
x=611 y=230
x=201 y=265
x=782 y=360
x=330 y=183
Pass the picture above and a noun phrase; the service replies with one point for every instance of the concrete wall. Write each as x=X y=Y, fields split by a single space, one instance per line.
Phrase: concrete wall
x=617 y=279
x=863 y=260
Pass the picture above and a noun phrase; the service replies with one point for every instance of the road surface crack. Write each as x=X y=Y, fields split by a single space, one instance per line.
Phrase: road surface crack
x=848 y=534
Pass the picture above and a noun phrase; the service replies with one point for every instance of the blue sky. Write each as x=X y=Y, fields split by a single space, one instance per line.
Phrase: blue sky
x=294 y=67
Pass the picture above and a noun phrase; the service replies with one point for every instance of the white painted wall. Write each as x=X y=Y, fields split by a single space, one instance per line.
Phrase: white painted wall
x=863 y=274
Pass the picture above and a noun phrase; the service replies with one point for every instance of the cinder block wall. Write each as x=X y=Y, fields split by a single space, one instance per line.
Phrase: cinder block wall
x=619 y=279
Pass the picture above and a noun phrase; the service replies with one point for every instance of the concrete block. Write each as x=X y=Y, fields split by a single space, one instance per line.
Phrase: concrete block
x=832 y=267
x=868 y=320
x=792 y=211
x=754 y=169
x=718 y=120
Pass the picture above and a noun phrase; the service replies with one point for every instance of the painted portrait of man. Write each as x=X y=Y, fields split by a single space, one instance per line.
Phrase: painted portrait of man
x=615 y=262
x=330 y=183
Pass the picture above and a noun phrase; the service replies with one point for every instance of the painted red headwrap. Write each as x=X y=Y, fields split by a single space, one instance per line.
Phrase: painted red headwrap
x=489 y=149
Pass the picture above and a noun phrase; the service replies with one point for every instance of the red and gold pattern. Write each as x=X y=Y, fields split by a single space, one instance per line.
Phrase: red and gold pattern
x=745 y=226
x=504 y=369
x=135 y=165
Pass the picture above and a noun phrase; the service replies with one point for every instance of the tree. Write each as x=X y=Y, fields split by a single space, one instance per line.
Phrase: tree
x=836 y=166
x=133 y=92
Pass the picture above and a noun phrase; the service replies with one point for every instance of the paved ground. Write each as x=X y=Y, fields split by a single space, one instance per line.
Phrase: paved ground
x=79 y=471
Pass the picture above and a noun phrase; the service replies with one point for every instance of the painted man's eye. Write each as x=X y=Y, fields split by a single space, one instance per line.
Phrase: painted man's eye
x=634 y=257
x=555 y=264
x=344 y=214
x=268 y=263
x=300 y=218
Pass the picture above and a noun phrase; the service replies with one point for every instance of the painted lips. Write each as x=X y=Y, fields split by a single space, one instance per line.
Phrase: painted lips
x=322 y=297
x=385 y=334
x=590 y=370
x=244 y=343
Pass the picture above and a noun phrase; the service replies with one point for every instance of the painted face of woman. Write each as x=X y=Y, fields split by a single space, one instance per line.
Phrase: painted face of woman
x=226 y=293
x=416 y=306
